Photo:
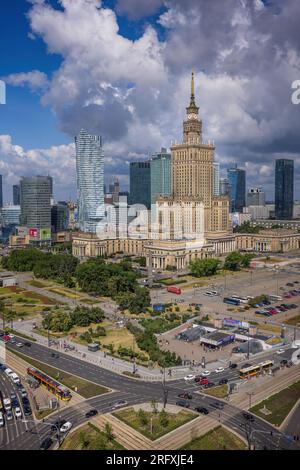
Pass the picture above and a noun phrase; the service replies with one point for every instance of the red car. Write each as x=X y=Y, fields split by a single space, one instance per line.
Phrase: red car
x=201 y=380
x=6 y=338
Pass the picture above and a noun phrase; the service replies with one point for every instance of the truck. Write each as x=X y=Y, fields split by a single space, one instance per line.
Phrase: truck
x=174 y=290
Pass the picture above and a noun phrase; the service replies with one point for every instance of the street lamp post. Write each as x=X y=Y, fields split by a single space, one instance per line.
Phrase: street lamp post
x=165 y=390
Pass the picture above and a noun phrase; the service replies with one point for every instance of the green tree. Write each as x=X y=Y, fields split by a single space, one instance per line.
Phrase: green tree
x=154 y=406
x=163 y=418
x=233 y=261
x=143 y=417
x=204 y=267
x=246 y=260
x=108 y=430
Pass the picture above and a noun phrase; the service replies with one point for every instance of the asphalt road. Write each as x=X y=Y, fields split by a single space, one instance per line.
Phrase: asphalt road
x=135 y=391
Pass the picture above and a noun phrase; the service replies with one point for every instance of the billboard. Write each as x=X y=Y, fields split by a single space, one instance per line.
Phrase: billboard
x=33 y=232
x=45 y=233
x=232 y=322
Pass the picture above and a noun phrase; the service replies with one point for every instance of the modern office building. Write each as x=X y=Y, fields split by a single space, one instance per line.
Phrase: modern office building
x=256 y=197
x=35 y=195
x=140 y=183
x=160 y=165
x=237 y=180
x=10 y=215
x=284 y=188
x=60 y=216
x=224 y=187
x=89 y=167
x=51 y=185
x=114 y=190
x=16 y=194
x=1 y=192
x=216 y=181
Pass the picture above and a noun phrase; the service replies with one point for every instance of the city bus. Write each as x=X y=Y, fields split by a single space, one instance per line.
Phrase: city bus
x=256 y=369
x=231 y=301
x=274 y=297
x=174 y=290
x=55 y=387
x=243 y=300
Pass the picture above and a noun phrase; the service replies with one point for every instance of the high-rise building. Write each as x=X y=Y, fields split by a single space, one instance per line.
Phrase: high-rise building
x=256 y=197
x=89 y=167
x=10 y=215
x=237 y=181
x=114 y=189
x=16 y=194
x=35 y=195
x=51 y=185
x=216 y=180
x=140 y=183
x=1 y=192
x=60 y=216
x=284 y=188
x=224 y=187
x=160 y=165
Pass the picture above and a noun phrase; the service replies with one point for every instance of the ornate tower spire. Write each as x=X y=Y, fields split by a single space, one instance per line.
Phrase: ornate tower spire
x=192 y=90
x=192 y=126
x=192 y=108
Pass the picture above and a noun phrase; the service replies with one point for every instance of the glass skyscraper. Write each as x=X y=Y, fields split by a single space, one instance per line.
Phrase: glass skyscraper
x=35 y=198
x=284 y=188
x=16 y=194
x=160 y=166
x=237 y=182
x=89 y=168
x=140 y=183
x=1 y=192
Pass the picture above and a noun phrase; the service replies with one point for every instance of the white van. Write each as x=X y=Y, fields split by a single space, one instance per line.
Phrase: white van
x=15 y=378
x=8 y=372
x=1 y=420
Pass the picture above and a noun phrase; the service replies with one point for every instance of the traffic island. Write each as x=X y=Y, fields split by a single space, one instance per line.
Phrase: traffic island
x=218 y=438
x=90 y=437
x=278 y=405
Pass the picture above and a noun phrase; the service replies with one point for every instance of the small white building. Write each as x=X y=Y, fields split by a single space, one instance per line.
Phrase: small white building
x=7 y=279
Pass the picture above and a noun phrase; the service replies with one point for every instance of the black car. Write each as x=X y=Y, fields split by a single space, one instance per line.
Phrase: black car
x=58 y=424
x=202 y=410
x=15 y=403
x=55 y=355
x=186 y=395
x=249 y=417
x=183 y=403
x=217 y=404
x=46 y=444
x=290 y=284
x=209 y=385
x=283 y=362
x=91 y=413
x=25 y=401
x=27 y=410
x=223 y=381
x=27 y=344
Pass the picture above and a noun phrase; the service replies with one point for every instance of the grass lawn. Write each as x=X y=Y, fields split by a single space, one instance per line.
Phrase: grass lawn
x=36 y=283
x=65 y=293
x=268 y=327
x=218 y=438
x=293 y=320
x=131 y=417
x=89 y=437
x=42 y=413
x=279 y=404
x=84 y=388
x=220 y=391
x=90 y=301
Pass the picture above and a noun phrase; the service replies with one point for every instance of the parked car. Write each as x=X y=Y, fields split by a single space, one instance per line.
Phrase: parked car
x=1 y=420
x=183 y=403
x=91 y=413
x=27 y=410
x=46 y=444
x=202 y=410
x=9 y=415
x=185 y=395
x=18 y=412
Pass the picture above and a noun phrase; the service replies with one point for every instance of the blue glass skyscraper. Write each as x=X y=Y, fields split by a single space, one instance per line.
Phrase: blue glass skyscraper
x=237 y=182
x=140 y=183
x=284 y=188
x=89 y=168
x=160 y=175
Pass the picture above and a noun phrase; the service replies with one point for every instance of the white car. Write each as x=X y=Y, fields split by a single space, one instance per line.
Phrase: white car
x=280 y=351
x=219 y=369
x=15 y=378
x=206 y=373
x=66 y=427
x=120 y=403
x=18 y=412
x=1 y=420
x=189 y=377
x=19 y=345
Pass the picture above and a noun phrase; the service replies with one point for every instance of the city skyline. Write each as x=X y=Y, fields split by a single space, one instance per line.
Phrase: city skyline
x=138 y=110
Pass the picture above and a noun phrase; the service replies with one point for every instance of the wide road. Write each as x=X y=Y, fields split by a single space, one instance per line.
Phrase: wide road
x=135 y=391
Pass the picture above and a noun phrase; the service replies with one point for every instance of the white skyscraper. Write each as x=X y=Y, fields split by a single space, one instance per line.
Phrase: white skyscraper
x=216 y=181
x=89 y=167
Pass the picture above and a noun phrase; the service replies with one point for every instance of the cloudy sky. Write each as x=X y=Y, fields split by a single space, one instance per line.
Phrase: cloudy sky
x=121 y=69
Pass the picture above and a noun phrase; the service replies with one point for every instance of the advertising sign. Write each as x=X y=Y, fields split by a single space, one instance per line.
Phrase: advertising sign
x=245 y=325
x=232 y=322
x=159 y=307
x=45 y=233
x=33 y=232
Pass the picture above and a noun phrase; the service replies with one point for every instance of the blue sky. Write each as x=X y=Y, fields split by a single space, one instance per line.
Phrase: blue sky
x=122 y=69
